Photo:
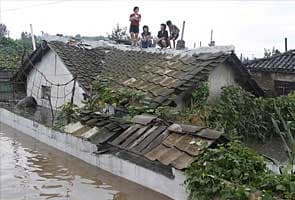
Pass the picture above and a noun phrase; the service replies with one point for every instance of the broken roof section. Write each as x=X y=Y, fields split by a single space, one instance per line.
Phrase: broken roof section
x=161 y=77
x=284 y=63
x=149 y=138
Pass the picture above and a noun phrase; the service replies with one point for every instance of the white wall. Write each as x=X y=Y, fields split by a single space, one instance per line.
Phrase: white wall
x=56 y=72
x=221 y=76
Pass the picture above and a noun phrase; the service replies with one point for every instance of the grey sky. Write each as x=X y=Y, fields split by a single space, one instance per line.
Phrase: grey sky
x=248 y=25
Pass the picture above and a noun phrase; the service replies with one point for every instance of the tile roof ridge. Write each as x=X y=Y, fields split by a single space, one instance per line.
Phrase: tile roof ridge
x=292 y=51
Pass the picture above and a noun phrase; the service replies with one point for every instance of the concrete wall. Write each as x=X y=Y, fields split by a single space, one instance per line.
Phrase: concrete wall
x=83 y=150
x=56 y=72
x=220 y=77
x=266 y=79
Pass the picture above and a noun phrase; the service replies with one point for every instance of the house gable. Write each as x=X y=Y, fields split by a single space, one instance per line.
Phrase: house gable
x=221 y=76
x=50 y=72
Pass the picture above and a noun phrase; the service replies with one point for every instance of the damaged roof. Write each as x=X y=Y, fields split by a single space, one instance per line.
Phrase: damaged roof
x=161 y=77
x=153 y=141
x=284 y=63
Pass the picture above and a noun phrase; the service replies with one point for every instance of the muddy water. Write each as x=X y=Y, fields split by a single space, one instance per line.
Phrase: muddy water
x=31 y=170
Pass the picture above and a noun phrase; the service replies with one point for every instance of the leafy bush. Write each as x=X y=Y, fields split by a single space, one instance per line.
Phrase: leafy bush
x=288 y=140
x=65 y=114
x=240 y=113
x=233 y=171
x=130 y=100
x=12 y=52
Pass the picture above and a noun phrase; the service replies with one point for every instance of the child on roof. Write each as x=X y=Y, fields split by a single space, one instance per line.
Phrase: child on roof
x=163 y=41
x=134 y=18
x=146 y=37
x=174 y=32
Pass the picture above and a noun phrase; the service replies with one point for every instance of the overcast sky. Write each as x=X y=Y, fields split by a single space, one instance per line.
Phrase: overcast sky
x=250 y=26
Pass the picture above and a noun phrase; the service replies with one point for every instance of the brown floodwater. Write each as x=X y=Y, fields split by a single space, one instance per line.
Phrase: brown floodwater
x=31 y=170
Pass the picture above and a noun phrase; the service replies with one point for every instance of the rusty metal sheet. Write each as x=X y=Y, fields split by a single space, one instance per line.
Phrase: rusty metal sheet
x=183 y=161
x=156 y=141
x=191 y=128
x=172 y=139
x=156 y=152
x=209 y=134
x=141 y=146
x=143 y=119
x=169 y=156
x=142 y=137
x=124 y=135
x=81 y=130
x=133 y=137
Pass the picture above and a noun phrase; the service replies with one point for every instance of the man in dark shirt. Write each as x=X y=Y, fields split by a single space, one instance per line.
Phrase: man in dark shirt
x=163 y=37
x=134 y=18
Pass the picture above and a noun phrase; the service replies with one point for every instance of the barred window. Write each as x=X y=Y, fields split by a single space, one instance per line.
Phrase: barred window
x=284 y=87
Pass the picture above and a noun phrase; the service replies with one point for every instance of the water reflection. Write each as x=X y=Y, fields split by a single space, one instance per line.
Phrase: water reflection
x=31 y=170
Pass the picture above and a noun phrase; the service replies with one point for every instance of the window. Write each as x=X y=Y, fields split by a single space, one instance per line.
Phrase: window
x=284 y=87
x=45 y=92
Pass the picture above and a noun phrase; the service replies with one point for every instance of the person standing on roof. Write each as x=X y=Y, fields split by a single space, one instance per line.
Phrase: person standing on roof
x=174 y=32
x=134 y=18
x=163 y=41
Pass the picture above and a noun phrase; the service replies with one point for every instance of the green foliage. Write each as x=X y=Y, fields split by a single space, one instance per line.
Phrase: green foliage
x=241 y=114
x=233 y=171
x=287 y=138
x=3 y=30
x=12 y=52
x=200 y=96
x=65 y=114
x=130 y=100
x=119 y=33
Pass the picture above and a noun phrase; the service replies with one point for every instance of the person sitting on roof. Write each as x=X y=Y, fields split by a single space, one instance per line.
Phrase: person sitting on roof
x=146 y=37
x=134 y=18
x=163 y=37
x=174 y=32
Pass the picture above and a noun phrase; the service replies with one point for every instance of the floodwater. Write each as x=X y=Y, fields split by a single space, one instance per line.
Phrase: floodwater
x=31 y=170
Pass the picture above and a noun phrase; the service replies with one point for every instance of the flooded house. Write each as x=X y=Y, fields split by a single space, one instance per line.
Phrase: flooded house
x=147 y=150
x=276 y=74
x=57 y=73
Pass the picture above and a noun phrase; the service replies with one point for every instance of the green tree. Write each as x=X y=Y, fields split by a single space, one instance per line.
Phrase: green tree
x=3 y=30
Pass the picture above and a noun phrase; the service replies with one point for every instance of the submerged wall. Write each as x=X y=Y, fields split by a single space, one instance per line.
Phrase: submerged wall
x=83 y=150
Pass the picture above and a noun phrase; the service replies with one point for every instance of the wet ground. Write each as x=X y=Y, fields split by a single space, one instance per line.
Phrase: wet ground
x=32 y=170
